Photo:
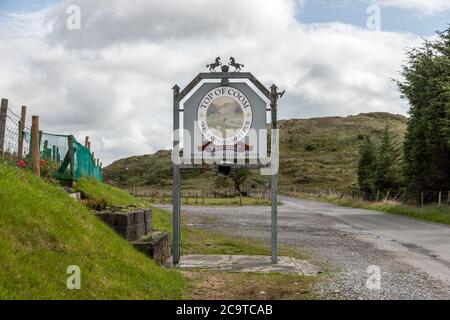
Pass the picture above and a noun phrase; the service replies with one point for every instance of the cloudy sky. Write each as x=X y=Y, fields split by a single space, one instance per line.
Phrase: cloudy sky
x=112 y=79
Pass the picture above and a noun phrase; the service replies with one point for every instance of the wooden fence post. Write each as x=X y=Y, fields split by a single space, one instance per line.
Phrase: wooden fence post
x=387 y=195
x=71 y=158
x=86 y=142
x=3 y=112
x=23 y=116
x=440 y=198
x=36 y=146
x=378 y=195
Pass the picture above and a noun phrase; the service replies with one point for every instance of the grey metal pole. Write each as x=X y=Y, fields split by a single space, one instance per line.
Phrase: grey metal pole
x=274 y=178
x=176 y=177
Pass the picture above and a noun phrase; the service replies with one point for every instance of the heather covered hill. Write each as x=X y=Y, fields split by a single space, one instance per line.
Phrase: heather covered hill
x=315 y=153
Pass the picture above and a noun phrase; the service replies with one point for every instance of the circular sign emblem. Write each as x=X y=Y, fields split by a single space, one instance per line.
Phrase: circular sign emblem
x=225 y=116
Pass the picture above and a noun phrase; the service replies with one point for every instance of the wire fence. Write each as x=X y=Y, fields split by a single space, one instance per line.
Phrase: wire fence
x=61 y=153
x=52 y=147
x=426 y=197
x=11 y=138
x=200 y=196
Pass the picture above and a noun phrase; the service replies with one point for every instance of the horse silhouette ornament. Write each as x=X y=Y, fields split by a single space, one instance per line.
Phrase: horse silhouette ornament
x=212 y=67
x=237 y=66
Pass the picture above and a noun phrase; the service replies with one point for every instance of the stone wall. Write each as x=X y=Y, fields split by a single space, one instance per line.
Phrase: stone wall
x=132 y=226
x=157 y=247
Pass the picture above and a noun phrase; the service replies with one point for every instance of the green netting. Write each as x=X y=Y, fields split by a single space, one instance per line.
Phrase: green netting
x=84 y=164
x=55 y=149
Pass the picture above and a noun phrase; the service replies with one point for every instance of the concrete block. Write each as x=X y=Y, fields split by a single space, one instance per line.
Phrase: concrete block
x=148 y=216
x=141 y=230
x=158 y=248
x=124 y=219
x=139 y=217
x=107 y=218
x=128 y=233
x=148 y=227
x=131 y=225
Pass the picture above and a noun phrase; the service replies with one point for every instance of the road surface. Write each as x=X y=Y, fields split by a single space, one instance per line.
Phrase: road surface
x=430 y=240
x=413 y=256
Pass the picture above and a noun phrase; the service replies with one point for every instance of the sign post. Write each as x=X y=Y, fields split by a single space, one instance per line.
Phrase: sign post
x=176 y=176
x=224 y=125
x=274 y=176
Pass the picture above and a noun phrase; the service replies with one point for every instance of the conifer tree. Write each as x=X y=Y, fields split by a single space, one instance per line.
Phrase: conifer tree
x=366 y=166
x=387 y=175
x=426 y=85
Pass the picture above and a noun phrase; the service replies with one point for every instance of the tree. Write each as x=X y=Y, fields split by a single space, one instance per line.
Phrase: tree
x=426 y=85
x=366 y=166
x=239 y=176
x=387 y=175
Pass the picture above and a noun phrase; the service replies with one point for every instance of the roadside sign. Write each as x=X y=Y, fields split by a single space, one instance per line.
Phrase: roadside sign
x=221 y=119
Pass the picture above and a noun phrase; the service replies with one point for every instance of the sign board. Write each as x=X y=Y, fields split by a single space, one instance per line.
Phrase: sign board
x=226 y=123
x=221 y=118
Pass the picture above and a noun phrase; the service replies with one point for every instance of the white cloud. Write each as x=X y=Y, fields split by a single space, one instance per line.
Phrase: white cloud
x=425 y=6
x=112 y=79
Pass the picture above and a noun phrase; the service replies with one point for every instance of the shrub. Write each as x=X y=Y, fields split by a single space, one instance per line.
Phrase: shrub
x=310 y=147
x=96 y=204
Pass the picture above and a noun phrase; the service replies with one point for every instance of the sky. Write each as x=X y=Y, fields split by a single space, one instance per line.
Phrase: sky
x=111 y=79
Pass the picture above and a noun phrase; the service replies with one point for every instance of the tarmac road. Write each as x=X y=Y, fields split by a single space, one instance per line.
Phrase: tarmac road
x=413 y=256
x=430 y=240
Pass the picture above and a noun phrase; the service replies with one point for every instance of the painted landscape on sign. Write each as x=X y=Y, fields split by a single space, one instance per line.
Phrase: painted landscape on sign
x=225 y=117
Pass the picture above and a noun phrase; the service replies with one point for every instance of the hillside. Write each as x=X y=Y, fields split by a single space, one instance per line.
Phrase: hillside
x=315 y=153
x=44 y=231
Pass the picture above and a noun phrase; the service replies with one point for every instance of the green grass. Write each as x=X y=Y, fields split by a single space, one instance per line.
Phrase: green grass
x=246 y=201
x=194 y=240
x=200 y=241
x=43 y=231
x=438 y=214
x=94 y=189
x=215 y=285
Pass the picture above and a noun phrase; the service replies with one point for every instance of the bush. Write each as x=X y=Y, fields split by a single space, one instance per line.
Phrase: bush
x=49 y=169
x=310 y=147
x=96 y=204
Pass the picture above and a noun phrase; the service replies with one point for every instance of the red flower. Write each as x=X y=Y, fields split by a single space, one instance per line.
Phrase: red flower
x=21 y=164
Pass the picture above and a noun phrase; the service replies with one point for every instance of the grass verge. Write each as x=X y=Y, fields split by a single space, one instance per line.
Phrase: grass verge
x=115 y=197
x=246 y=201
x=437 y=214
x=44 y=231
x=211 y=285
x=221 y=285
x=196 y=240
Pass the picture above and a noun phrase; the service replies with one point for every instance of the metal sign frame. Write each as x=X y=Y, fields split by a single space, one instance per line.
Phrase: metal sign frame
x=178 y=95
